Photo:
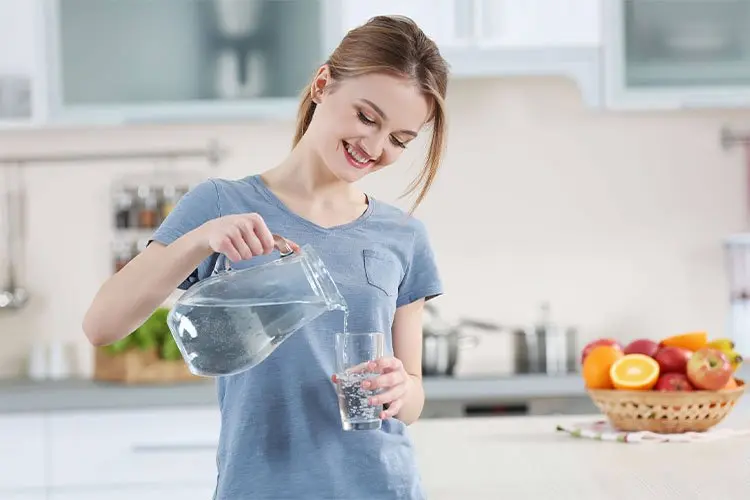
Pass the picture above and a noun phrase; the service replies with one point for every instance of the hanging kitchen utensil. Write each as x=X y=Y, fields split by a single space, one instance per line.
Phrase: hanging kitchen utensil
x=13 y=296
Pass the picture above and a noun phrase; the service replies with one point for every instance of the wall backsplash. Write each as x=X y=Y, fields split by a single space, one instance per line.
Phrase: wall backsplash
x=615 y=218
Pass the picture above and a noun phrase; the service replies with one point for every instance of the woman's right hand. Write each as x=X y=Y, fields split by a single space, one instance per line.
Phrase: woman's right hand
x=241 y=237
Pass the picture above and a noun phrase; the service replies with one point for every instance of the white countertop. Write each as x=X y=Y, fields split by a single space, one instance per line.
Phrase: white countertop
x=526 y=458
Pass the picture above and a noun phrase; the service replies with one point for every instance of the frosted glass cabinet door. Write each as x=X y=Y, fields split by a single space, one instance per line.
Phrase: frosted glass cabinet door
x=139 y=56
x=686 y=43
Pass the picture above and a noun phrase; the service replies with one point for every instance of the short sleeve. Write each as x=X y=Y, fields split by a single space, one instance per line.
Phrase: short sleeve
x=197 y=206
x=422 y=278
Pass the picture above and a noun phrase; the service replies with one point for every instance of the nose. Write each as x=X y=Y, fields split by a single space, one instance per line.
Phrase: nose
x=375 y=144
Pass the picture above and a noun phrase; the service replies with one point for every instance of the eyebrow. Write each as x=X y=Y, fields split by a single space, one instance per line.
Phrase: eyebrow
x=379 y=111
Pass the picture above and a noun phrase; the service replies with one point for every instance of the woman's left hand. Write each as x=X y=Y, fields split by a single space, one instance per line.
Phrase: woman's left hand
x=393 y=382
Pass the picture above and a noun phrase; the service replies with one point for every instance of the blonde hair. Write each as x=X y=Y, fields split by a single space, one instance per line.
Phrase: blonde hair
x=394 y=45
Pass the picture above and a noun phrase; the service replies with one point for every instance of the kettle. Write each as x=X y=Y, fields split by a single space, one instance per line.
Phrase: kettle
x=232 y=321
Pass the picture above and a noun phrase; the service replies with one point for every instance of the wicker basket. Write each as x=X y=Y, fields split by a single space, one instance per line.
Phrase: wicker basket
x=666 y=412
x=135 y=366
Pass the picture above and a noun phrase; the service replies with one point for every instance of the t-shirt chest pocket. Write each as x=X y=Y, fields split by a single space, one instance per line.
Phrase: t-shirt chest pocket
x=382 y=271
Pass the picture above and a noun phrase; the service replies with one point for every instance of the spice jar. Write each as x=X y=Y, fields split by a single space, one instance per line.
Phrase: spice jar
x=123 y=254
x=123 y=208
x=169 y=199
x=148 y=216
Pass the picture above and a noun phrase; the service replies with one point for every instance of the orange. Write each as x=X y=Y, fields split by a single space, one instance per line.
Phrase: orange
x=595 y=369
x=691 y=341
x=634 y=372
x=732 y=384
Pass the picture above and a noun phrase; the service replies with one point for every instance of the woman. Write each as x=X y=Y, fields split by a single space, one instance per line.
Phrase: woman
x=281 y=435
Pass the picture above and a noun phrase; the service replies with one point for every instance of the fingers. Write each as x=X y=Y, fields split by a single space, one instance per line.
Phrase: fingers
x=247 y=230
x=262 y=233
x=388 y=364
x=384 y=381
x=389 y=396
x=392 y=409
x=233 y=246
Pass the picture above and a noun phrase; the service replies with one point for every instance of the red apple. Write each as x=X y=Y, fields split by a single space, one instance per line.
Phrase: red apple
x=673 y=382
x=642 y=346
x=709 y=369
x=595 y=343
x=673 y=359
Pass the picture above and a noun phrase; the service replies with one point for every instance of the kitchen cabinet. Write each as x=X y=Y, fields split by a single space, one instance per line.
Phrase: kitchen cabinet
x=495 y=38
x=20 y=58
x=134 y=449
x=129 y=61
x=87 y=62
x=678 y=54
x=22 y=459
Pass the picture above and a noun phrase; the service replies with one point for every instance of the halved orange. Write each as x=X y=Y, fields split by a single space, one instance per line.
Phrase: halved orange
x=691 y=341
x=634 y=372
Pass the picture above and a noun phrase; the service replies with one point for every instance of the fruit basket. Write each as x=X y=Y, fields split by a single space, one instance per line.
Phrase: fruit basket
x=683 y=383
x=666 y=412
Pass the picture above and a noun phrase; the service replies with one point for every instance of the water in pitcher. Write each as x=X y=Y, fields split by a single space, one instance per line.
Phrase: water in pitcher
x=231 y=322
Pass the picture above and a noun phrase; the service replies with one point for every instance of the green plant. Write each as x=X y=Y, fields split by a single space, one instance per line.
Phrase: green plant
x=153 y=333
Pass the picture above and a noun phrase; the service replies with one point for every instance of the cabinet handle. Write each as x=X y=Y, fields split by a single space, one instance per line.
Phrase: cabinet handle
x=169 y=448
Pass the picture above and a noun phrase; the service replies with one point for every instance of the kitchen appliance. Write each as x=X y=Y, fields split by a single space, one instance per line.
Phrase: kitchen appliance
x=545 y=347
x=444 y=343
x=495 y=350
x=13 y=296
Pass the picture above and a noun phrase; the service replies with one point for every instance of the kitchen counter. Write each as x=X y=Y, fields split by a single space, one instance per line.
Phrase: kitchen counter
x=526 y=458
x=24 y=395
x=29 y=396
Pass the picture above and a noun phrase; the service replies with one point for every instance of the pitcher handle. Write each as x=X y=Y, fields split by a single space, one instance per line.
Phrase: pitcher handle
x=284 y=247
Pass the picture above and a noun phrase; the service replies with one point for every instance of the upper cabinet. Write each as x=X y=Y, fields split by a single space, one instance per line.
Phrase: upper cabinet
x=120 y=61
x=490 y=38
x=20 y=62
x=676 y=54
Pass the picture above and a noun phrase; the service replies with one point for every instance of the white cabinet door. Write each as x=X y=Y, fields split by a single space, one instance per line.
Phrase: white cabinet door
x=536 y=23
x=22 y=464
x=433 y=16
x=20 y=57
x=134 y=448
x=162 y=493
x=18 y=40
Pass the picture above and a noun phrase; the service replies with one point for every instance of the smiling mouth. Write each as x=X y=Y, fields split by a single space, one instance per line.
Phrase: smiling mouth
x=355 y=156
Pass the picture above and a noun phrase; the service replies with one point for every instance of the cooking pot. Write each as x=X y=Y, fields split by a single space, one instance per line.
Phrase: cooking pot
x=443 y=341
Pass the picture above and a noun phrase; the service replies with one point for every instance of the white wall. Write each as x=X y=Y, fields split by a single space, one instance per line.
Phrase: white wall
x=615 y=218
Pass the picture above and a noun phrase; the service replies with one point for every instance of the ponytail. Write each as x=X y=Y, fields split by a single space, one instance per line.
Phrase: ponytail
x=304 y=115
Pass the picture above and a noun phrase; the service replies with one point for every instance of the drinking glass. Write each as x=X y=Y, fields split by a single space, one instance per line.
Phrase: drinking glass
x=353 y=353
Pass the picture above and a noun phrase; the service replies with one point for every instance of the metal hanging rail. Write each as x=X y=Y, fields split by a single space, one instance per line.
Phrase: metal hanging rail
x=213 y=153
x=730 y=138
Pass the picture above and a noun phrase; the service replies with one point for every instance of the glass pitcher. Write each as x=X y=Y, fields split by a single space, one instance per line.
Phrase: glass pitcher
x=232 y=321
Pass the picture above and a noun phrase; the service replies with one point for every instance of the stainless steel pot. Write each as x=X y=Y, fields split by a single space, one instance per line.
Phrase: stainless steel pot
x=545 y=347
x=442 y=342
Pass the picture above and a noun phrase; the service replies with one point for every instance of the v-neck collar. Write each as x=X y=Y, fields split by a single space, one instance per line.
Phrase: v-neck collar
x=269 y=195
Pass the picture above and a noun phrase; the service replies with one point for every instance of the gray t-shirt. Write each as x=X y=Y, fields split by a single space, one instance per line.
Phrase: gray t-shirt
x=281 y=436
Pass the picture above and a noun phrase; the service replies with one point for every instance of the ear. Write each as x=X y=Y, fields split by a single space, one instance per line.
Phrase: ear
x=320 y=82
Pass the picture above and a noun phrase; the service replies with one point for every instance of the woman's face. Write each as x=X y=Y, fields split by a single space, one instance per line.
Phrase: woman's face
x=365 y=123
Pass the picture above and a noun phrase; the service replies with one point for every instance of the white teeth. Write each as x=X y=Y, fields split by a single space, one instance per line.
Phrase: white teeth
x=353 y=152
